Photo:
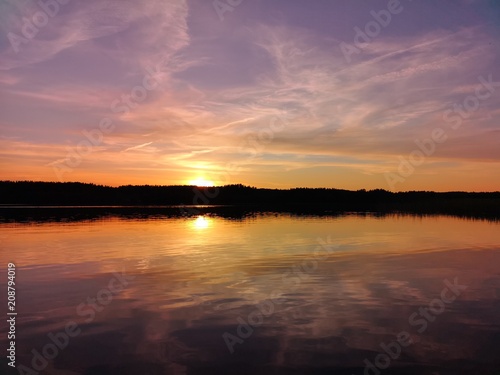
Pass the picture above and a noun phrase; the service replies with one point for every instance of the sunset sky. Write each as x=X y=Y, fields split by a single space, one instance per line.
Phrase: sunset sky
x=268 y=93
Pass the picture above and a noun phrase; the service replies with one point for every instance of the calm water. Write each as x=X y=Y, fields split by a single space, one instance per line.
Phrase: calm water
x=270 y=294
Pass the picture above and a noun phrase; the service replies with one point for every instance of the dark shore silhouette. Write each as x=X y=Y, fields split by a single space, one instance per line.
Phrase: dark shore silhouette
x=238 y=200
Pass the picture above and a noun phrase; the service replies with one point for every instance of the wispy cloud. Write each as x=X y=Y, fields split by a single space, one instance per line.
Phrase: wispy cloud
x=135 y=27
x=137 y=147
x=225 y=82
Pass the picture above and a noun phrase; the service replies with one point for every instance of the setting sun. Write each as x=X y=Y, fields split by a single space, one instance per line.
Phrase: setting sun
x=200 y=181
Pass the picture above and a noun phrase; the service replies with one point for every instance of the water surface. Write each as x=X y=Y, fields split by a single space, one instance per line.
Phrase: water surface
x=264 y=294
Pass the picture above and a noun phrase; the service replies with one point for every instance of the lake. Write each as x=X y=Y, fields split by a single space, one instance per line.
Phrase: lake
x=266 y=293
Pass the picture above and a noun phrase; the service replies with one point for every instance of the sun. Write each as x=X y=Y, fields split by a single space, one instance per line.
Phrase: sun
x=200 y=181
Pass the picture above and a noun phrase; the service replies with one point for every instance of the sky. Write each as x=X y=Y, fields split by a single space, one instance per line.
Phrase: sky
x=398 y=95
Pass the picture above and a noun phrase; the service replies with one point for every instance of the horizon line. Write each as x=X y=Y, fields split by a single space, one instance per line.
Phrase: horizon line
x=249 y=186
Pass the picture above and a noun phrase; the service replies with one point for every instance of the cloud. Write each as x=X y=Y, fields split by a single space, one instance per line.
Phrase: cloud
x=226 y=83
x=360 y=116
x=137 y=27
x=138 y=146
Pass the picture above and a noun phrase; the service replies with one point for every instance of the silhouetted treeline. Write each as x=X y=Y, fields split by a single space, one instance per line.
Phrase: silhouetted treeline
x=297 y=200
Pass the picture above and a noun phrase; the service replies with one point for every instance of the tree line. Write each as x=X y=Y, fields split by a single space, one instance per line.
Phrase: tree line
x=307 y=200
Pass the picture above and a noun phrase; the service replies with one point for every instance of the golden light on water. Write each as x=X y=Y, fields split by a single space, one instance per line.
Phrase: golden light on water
x=202 y=222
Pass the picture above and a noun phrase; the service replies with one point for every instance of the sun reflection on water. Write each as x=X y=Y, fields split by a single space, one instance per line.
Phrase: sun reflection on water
x=202 y=222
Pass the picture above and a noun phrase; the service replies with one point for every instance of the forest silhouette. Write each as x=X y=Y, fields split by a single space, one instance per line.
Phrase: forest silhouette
x=241 y=200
